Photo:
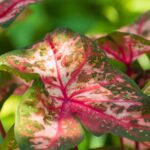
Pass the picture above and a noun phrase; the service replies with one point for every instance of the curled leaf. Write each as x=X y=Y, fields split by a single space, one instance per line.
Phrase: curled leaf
x=78 y=82
x=10 y=8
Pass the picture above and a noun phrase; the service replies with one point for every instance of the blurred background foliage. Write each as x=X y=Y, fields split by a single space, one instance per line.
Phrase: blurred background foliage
x=90 y=17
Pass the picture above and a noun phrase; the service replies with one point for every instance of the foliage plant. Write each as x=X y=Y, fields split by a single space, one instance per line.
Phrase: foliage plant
x=70 y=83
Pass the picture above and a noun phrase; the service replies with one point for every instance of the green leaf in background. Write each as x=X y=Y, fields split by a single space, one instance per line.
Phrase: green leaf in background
x=8 y=111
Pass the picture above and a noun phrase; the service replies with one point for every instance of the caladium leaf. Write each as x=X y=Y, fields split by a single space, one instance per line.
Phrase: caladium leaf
x=80 y=82
x=131 y=144
x=42 y=124
x=124 y=47
x=141 y=26
x=10 y=8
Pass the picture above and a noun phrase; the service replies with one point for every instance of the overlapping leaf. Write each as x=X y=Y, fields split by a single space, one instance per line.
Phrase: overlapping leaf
x=124 y=47
x=11 y=85
x=10 y=8
x=10 y=142
x=7 y=86
x=78 y=82
x=142 y=145
x=141 y=26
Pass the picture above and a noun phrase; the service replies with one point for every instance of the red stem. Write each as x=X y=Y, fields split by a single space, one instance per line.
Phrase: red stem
x=129 y=70
x=122 y=144
x=137 y=146
x=76 y=148
x=2 y=130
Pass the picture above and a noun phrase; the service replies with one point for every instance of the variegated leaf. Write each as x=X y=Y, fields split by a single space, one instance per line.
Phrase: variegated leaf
x=124 y=47
x=10 y=8
x=43 y=124
x=80 y=82
x=141 y=26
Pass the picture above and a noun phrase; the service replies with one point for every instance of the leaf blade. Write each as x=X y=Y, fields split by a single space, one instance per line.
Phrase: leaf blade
x=9 y=9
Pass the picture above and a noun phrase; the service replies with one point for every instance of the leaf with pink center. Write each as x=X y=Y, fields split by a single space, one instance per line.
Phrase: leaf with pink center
x=81 y=83
x=9 y=9
x=124 y=47
x=42 y=123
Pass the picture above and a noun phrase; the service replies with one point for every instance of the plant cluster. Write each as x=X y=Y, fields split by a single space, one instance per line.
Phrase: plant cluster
x=70 y=82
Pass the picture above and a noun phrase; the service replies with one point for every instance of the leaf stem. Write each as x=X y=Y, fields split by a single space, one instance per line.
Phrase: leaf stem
x=122 y=143
x=137 y=146
x=76 y=148
x=2 y=130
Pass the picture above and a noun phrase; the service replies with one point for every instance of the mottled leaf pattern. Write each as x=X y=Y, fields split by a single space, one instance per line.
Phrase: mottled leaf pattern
x=10 y=8
x=124 y=47
x=79 y=82
x=141 y=26
x=41 y=124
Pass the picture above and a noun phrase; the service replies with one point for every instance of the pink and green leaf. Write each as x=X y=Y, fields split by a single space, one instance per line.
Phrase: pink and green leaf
x=80 y=83
x=141 y=26
x=124 y=47
x=9 y=9
x=42 y=123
